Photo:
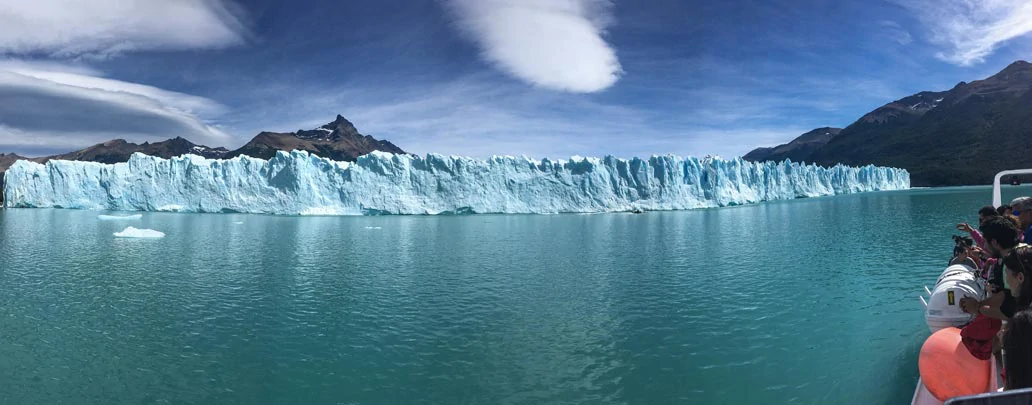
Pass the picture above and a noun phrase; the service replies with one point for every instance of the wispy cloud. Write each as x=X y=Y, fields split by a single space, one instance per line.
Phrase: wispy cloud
x=897 y=33
x=971 y=30
x=554 y=44
x=103 y=27
x=55 y=106
x=85 y=77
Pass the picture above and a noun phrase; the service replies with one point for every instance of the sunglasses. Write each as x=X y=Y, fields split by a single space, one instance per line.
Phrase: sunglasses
x=1016 y=213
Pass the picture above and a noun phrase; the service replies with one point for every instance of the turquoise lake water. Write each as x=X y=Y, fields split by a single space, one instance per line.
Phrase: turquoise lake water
x=804 y=301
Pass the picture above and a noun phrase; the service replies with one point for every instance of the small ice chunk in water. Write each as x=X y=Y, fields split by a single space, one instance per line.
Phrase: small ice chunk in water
x=103 y=217
x=171 y=208
x=131 y=232
x=373 y=227
x=239 y=222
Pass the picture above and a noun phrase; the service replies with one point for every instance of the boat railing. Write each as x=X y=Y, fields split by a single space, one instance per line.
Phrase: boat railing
x=997 y=197
x=1012 y=397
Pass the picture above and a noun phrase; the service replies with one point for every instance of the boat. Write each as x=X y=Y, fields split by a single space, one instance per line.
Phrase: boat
x=946 y=368
x=949 y=374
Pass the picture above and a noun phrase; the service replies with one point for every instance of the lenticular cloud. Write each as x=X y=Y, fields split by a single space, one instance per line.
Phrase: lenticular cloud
x=555 y=44
x=77 y=27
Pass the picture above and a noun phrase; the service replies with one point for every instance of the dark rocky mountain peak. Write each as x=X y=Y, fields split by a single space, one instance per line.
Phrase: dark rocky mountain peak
x=798 y=150
x=823 y=134
x=119 y=150
x=337 y=140
x=1014 y=80
x=341 y=124
x=8 y=159
x=907 y=108
x=963 y=136
x=338 y=129
x=1017 y=68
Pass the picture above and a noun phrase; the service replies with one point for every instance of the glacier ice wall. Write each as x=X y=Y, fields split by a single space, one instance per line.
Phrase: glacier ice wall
x=383 y=183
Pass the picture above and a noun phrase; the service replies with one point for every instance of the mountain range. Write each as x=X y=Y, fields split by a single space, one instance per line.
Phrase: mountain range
x=338 y=140
x=962 y=136
x=798 y=150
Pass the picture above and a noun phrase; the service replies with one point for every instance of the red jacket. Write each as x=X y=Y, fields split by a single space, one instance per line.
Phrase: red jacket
x=978 y=335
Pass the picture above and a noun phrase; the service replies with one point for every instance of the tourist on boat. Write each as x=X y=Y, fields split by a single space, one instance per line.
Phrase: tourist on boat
x=1017 y=344
x=1017 y=336
x=1001 y=236
x=1018 y=277
x=1004 y=210
x=1023 y=210
x=1017 y=224
x=983 y=214
x=987 y=212
x=977 y=254
x=964 y=252
x=989 y=260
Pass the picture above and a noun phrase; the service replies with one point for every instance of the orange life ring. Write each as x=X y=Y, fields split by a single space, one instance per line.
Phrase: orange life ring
x=948 y=370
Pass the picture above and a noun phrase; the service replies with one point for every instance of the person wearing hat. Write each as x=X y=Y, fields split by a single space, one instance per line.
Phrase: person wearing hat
x=1022 y=207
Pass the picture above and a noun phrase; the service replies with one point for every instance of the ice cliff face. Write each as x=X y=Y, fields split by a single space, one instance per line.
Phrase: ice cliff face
x=383 y=183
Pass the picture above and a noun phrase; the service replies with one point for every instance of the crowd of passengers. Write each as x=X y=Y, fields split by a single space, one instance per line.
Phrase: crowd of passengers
x=1002 y=326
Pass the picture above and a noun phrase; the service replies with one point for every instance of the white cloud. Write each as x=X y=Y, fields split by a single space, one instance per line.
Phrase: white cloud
x=896 y=32
x=970 y=30
x=554 y=44
x=78 y=77
x=56 y=106
x=101 y=27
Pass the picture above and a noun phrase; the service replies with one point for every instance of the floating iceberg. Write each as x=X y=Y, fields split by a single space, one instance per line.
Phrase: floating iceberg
x=131 y=232
x=103 y=217
x=298 y=183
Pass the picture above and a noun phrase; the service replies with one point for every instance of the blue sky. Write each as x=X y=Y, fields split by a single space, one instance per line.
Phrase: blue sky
x=543 y=78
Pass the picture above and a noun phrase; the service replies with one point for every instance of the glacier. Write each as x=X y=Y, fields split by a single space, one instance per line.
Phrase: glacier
x=299 y=183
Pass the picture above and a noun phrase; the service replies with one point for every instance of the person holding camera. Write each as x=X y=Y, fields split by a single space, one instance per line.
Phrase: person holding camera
x=1001 y=237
